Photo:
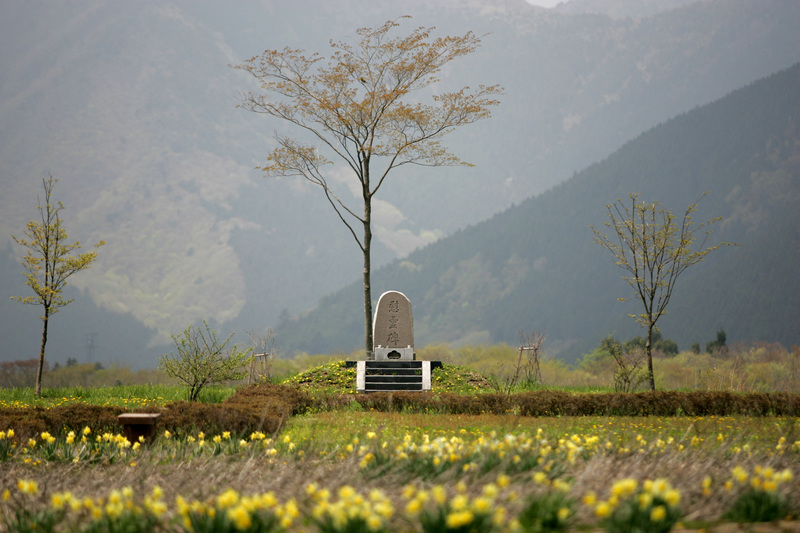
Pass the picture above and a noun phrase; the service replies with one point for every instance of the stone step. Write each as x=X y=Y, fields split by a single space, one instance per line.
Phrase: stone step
x=394 y=364
x=393 y=379
x=373 y=376
x=386 y=387
x=394 y=371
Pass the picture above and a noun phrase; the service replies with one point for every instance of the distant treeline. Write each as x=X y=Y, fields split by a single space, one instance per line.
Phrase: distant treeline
x=22 y=373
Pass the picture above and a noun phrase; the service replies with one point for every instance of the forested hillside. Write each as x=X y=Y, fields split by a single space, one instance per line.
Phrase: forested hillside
x=535 y=267
x=132 y=106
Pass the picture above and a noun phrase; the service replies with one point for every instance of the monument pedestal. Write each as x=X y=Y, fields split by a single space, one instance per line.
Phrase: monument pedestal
x=394 y=354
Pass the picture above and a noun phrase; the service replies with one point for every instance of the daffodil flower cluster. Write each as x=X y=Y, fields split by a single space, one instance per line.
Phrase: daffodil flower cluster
x=120 y=511
x=231 y=511
x=761 y=478
x=436 y=510
x=430 y=457
x=107 y=447
x=548 y=511
x=350 y=510
x=631 y=505
x=7 y=444
x=650 y=506
x=759 y=498
x=420 y=454
x=542 y=462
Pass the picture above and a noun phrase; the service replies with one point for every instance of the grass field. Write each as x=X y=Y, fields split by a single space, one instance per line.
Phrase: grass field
x=131 y=396
x=358 y=470
x=347 y=468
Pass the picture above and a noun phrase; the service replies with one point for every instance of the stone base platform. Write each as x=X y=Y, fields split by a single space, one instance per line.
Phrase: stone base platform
x=398 y=375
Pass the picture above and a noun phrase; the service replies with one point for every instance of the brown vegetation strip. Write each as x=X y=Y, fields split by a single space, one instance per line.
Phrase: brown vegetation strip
x=267 y=407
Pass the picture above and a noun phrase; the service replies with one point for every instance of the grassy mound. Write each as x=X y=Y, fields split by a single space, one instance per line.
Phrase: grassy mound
x=336 y=378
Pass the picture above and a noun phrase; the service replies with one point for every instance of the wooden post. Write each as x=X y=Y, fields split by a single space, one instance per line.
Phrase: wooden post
x=138 y=425
x=263 y=356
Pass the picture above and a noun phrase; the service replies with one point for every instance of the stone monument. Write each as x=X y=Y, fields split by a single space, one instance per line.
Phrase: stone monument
x=393 y=328
x=393 y=366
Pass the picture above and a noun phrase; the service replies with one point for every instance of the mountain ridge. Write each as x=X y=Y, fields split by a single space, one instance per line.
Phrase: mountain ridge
x=132 y=107
x=482 y=284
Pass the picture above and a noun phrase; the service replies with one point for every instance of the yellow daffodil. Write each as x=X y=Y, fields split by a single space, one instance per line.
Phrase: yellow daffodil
x=27 y=486
x=459 y=519
x=602 y=510
x=658 y=513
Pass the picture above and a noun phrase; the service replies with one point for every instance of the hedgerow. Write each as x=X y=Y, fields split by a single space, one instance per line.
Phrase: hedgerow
x=266 y=407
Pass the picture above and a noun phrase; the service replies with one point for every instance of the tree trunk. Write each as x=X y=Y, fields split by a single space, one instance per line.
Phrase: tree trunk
x=367 y=283
x=45 y=319
x=649 y=349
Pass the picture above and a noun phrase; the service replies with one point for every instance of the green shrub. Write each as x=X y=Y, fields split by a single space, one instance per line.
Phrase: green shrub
x=550 y=511
x=757 y=505
x=203 y=360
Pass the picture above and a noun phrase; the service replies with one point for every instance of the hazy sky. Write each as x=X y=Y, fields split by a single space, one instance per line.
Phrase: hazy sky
x=545 y=3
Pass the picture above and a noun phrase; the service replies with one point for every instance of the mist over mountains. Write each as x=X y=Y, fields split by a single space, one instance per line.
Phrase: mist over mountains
x=133 y=107
x=535 y=266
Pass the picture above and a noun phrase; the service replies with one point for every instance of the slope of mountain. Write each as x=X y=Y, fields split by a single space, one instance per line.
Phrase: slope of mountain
x=132 y=106
x=535 y=266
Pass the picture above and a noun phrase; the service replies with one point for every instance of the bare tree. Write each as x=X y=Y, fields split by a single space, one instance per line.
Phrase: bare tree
x=530 y=345
x=526 y=365
x=264 y=353
x=357 y=106
x=631 y=363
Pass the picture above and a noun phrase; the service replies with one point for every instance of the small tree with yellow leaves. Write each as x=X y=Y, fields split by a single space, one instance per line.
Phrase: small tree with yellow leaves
x=654 y=247
x=48 y=263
